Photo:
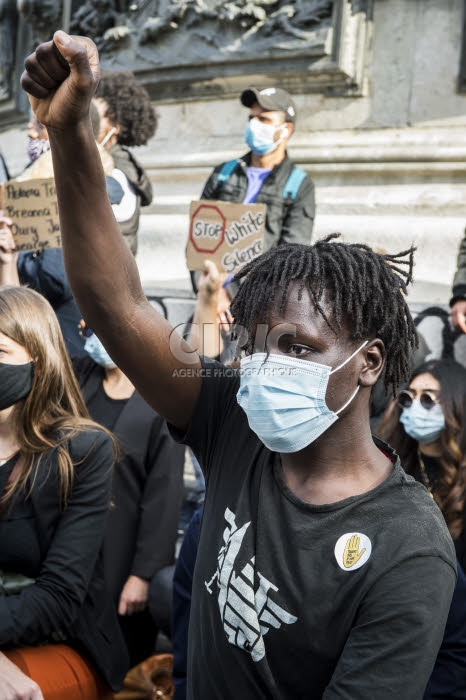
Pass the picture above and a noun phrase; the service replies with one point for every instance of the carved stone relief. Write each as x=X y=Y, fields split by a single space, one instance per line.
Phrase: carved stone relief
x=212 y=26
x=186 y=49
x=42 y=15
x=94 y=18
x=23 y=25
x=189 y=49
x=8 y=29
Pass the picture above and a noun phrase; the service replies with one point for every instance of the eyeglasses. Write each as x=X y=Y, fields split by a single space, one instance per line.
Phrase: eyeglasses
x=85 y=331
x=405 y=400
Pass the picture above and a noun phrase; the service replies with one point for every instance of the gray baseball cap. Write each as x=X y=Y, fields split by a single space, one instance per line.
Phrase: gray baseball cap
x=272 y=99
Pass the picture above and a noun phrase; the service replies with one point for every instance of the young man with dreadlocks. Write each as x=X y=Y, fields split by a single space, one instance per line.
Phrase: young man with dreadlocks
x=323 y=570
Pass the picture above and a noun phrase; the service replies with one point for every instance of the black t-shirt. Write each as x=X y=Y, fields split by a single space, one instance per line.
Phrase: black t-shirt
x=293 y=600
x=105 y=410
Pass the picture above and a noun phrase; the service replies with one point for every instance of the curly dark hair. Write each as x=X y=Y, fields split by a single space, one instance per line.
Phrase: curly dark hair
x=129 y=106
x=449 y=490
x=366 y=290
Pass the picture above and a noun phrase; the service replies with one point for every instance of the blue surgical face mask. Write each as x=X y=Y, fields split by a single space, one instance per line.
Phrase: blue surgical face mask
x=96 y=350
x=422 y=424
x=284 y=399
x=260 y=137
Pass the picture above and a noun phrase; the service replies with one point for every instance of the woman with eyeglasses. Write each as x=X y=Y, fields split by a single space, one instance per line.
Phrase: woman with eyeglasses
x=426 y=425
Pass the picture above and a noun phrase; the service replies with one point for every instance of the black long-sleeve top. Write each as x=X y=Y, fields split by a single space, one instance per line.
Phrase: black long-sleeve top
x=147 y=487
x=68 y=598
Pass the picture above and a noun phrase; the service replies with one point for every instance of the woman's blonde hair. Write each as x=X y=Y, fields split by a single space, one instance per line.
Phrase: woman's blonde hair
x=54 y=410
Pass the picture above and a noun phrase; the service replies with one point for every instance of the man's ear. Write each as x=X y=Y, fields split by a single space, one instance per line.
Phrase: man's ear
x=374 y=354
x=290 y=129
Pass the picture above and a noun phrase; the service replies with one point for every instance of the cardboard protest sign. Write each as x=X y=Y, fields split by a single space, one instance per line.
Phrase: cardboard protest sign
x=228 y=233
x=32 y=206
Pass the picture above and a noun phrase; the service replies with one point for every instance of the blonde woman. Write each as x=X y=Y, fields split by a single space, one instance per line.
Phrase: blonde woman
x=59 y=635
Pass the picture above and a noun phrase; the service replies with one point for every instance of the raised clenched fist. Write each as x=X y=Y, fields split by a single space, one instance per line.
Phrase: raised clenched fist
x=61 y=77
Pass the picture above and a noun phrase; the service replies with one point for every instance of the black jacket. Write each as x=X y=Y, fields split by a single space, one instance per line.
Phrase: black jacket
x=147 y=488
x=69 y=597
x=448 y=679
x=288 y=221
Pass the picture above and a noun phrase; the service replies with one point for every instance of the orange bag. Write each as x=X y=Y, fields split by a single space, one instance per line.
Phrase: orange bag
x=149 y=680
x=60 y=672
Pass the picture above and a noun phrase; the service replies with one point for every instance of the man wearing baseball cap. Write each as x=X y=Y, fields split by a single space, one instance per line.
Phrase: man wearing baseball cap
x=266 y=174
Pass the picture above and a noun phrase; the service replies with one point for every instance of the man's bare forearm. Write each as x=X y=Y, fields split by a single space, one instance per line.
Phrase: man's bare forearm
x=104 y=277
x=60 y=78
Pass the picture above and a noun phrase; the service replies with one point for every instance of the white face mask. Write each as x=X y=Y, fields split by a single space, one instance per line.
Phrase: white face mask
x=284 y=399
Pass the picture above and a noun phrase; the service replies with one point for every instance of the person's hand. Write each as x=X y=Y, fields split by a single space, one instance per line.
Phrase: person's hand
x=210 y=281
x=458 y=315
x=14 y=684
x=8 y=253
x=61 y=77
x=210 y=291
x=134 y=596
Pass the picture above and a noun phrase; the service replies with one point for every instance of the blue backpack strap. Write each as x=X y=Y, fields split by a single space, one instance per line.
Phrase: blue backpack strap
x=293 y=183
x=226 y=171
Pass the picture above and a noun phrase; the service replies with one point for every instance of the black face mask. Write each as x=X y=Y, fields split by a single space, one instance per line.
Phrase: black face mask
x=15 y=383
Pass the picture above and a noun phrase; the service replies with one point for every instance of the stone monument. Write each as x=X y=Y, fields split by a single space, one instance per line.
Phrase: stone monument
x=380 y=88
x=198 y=48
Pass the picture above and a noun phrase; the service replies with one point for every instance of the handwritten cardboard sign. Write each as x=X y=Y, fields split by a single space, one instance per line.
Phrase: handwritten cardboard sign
x=228 y=233
x=32 y=206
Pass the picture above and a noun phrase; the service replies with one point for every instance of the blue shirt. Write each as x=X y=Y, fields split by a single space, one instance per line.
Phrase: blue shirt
x=256 y=177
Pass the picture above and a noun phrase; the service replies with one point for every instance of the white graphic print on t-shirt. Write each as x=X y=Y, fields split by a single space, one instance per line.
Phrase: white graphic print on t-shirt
x=247 y=614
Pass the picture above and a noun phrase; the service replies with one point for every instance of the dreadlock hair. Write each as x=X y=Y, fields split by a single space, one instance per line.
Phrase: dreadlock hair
x=366 y=288
x=129 y=106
